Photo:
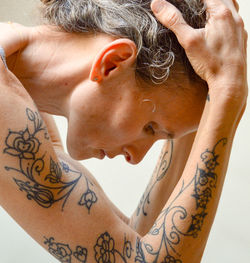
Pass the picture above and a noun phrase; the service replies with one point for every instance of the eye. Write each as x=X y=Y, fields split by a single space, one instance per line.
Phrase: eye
x=149 y=128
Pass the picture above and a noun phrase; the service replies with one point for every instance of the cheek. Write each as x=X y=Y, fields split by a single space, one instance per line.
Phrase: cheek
x=127 y=124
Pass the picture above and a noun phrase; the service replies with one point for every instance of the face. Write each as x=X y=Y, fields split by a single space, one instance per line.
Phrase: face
x=119 y=117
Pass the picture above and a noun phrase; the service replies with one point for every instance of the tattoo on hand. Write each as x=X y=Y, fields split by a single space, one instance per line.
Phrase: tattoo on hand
x=168 y=224
x=106 y=252
x=42 y=187
x=160 y=174
x=64 y=253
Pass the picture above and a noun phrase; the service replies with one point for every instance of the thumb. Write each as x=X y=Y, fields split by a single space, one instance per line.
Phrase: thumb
x=171 y=18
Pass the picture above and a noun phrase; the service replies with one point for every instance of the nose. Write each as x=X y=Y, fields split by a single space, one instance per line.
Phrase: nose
x=134 y=153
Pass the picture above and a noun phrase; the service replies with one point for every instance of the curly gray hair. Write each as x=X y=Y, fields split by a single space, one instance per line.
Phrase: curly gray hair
x=157 y=46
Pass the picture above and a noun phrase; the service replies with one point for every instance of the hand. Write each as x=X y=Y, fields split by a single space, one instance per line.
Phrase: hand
x=216 y=52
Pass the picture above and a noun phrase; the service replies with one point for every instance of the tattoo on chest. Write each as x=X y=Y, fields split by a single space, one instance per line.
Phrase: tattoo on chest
x=45 y=185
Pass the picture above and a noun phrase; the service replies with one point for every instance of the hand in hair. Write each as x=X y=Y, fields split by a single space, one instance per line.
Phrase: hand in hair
x=217 y=52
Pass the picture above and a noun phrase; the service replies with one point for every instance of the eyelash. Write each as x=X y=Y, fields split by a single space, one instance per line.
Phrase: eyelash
x=149 y=129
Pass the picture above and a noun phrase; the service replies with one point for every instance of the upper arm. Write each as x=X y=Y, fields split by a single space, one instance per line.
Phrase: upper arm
x=57 y=145
x=56 y=201
x=53 y=130
x=60 y=205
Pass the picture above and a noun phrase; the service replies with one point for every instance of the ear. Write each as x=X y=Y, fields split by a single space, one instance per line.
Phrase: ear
x=116 y=55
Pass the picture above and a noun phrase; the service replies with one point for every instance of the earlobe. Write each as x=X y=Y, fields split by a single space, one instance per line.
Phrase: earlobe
x=118 y=54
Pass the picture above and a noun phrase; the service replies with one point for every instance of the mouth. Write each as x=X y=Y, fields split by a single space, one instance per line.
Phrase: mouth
x=109 y=155
x=102 y=154
x=127 y=157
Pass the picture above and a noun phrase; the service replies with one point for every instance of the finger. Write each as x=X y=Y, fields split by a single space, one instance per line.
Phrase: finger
x=236 y=5
x=218 y=7
x=172 y=18
x=232 y=5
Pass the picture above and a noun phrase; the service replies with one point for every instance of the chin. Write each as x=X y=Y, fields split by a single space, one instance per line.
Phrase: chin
x=76 y=154
x=76 y=151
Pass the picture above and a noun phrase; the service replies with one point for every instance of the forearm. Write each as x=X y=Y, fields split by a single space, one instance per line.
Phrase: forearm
x=184 y=224
x=167 y=173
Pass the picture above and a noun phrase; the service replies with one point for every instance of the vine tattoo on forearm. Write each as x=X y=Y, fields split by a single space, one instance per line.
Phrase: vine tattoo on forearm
x=166 y=226
x=45 y=188
x=105 y=251
x=64 y=253
x=160 y=174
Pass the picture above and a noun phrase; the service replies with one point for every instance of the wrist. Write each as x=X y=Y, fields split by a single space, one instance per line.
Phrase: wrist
x=222 y=115
x=228 y=95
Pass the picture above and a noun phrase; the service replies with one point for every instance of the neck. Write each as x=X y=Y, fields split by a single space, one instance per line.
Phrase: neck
x=52 y=63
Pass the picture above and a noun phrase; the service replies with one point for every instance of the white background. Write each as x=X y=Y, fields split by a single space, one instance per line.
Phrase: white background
x=229 y=241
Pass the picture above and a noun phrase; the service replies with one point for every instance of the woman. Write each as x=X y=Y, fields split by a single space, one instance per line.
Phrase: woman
x=77 y=62
x=134 y=120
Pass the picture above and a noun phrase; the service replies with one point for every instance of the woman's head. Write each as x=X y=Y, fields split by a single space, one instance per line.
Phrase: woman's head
x=157 y=46
x=123 y=111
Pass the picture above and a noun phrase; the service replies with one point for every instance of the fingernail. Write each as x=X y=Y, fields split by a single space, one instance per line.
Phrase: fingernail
x=158 y=5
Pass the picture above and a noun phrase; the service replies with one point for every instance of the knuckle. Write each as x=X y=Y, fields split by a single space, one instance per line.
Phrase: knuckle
x=239 y=21
x=191 y=41
x=224 y=13
x=172 y=19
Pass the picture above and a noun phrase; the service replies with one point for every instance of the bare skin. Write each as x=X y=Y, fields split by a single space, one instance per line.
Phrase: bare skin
x=139 y=113
x=83 y=225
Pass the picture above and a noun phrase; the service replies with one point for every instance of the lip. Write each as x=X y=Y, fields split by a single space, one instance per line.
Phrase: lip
x=102 y=154
x=109 y=156
x=127 y=157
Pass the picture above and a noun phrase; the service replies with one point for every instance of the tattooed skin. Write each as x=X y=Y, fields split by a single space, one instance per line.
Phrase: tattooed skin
x=160 y=174
x=89 y=197
x=42 y=187
x=64 y=253
x=47 y=186
x=202 y=184
x=105 y=251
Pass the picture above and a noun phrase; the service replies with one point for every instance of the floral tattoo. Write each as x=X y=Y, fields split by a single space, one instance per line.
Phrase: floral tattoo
x=45 y=188
x=160 y=174
x=64 y=253
x=105 y=251
x=166 y=229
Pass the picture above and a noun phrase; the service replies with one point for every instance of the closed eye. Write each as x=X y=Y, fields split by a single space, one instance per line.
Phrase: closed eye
x=149 y=129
